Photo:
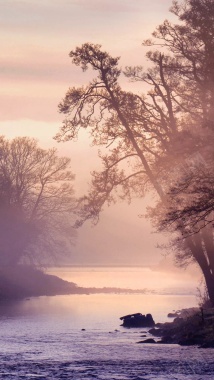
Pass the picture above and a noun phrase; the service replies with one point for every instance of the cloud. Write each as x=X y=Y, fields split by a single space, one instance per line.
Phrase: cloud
x=109 y=5
x=120 y=6
x=37 y=36
x=92 y=5
x=51 y=72
x=15 y=107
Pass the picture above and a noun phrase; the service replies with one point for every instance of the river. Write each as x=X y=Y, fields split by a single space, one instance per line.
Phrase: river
x=80 y=337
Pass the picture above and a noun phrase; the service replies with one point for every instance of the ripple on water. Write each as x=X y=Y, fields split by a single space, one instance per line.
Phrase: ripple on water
x=114 y=369
x=44 y=343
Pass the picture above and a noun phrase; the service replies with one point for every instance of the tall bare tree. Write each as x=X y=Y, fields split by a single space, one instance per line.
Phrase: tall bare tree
x=149 y=138
x=36 y=203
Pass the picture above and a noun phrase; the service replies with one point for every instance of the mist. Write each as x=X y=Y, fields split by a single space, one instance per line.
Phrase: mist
x=106 y=189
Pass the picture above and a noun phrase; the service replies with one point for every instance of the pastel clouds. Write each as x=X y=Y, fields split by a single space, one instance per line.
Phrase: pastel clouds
x=36 y=71
x=110 y=5
x=37 y=36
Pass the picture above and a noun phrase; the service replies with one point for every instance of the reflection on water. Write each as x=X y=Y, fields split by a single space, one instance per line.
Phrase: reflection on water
x=43 y=338
x=109 y=307
x=80 y=337
x=96 y=309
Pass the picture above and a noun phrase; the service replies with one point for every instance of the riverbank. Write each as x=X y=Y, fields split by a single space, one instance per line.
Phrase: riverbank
x=190 y=327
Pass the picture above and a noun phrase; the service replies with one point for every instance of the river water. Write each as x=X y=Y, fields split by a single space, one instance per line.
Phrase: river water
x=80 y=337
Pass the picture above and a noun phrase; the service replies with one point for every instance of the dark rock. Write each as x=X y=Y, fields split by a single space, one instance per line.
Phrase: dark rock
x=138 y=320
x=188 y=330
x=178 y=320
x=156 y=332
x=166 y=340
x=173 y=315
x=209 y=344
x=129 y=316
x=149 y=320
x=149 y=340
x=187 y=342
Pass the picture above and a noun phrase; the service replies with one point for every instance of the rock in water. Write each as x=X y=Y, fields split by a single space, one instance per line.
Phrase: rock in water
x=149 y=340
x=137 y=320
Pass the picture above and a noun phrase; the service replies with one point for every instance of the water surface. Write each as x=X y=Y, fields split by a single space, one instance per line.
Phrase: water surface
x=80 y=337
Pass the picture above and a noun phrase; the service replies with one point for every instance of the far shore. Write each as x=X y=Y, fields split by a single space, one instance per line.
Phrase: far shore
x=23 y=281
x=190 y=326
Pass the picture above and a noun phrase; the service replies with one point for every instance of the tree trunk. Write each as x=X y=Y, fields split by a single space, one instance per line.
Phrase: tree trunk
x=200 y=253
x=209 y=278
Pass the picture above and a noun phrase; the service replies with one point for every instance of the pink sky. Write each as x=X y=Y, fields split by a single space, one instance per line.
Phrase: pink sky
x=36 y=71
x=37 y=36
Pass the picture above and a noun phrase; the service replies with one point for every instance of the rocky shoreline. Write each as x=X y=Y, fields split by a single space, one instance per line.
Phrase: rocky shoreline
x=190 y=327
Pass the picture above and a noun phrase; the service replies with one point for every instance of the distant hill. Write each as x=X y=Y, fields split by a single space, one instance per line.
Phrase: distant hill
x=24 y=281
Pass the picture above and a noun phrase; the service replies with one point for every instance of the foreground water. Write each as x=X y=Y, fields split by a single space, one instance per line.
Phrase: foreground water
x=80 y=337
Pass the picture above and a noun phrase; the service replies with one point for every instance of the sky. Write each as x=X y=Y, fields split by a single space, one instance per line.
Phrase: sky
x=35 y=73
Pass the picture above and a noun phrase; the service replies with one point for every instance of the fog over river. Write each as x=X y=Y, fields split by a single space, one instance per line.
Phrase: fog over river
x=80 y=337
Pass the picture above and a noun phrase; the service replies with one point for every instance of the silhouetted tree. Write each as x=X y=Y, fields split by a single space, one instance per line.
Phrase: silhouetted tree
x=152 y=138
x=36 y=203
x=189 y=207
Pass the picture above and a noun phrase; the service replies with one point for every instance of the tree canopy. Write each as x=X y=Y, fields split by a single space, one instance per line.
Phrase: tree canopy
x=161 y=141
x=36 y=202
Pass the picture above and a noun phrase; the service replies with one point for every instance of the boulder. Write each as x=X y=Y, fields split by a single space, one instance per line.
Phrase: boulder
x=137 y=320
x=173 y=315
x=209 y=344
x=167 y=339
x=149 y=340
